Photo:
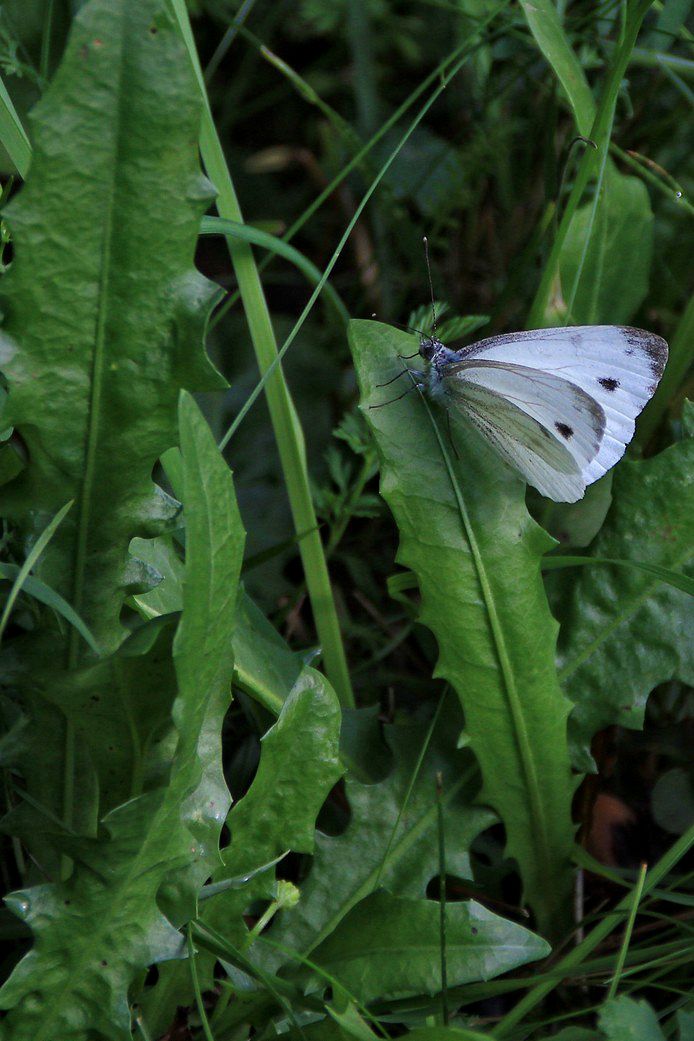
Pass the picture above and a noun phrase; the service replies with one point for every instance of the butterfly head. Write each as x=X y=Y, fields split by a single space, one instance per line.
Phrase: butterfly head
x=429 y=347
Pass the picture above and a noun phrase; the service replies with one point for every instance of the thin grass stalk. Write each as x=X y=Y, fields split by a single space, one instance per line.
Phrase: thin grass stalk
x=601 y=931
x=285 y=421
x=623 y=950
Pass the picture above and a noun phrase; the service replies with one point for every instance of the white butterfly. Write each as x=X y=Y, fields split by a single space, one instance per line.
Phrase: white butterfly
x=557 y=404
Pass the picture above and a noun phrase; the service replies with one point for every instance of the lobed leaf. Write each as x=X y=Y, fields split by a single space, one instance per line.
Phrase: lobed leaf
x=299 y=765
x=391 y=837
x=105 y=230
x=467 y=535
x=624 y=630
x=95 y=932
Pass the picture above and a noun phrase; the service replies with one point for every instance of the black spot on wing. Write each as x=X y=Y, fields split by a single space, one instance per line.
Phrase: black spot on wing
x=565 y=430
x=608 y=382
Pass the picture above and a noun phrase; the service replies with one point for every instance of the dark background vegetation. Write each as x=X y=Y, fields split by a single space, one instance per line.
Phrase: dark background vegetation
x=476 y=178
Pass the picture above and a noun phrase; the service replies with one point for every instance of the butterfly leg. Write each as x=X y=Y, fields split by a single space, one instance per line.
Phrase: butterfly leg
x=388 y=382
x=413 y=372
x=415 y=386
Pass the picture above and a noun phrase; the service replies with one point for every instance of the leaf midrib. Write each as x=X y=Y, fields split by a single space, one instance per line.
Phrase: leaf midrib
x=96 y=386
x=520 y=730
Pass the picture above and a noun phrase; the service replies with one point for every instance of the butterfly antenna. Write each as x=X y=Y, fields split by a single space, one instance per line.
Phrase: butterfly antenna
x=431 y=284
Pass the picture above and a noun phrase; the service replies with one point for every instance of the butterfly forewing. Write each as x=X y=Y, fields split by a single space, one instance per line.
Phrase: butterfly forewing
x=616 y=366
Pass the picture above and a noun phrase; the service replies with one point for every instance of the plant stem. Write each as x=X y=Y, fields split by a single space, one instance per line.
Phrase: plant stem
x=285 y=421
x=635 y=900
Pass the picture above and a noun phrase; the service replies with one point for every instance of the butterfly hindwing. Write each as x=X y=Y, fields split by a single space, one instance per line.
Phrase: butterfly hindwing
x=562 y=408
x=525 y=443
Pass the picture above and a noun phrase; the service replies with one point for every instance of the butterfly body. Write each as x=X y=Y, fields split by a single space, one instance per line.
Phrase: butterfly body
x=558 y=405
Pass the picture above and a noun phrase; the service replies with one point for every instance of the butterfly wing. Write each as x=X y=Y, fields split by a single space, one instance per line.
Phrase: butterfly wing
x=547 y=427
x=524 y=443
x=616 y=366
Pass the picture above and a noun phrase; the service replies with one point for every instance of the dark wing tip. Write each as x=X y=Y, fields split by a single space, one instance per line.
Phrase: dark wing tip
x=651 y=344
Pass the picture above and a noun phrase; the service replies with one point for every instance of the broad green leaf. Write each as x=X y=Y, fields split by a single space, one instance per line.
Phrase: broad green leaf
x=624 y=630
x=120 y=710
x=391 y=837
x=299 y=765
x=550 y=37
x=202 y=646
x=593 y=161
x=93 y=933
x=608 y=248
x=575 y=524
x=352 y=1024
x=673 y=578
x=264 y=666
x=624 y=1019
x=466 y=533
x=390 y=947
x=96 y=932
x=685 y=1022
x=106 y=227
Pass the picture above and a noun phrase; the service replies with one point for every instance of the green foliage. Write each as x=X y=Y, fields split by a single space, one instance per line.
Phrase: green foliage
x=123 y=625
x=299 y=764
x=388 y=947
x=606 y=260
x=624 y=623
x=391 y=838
x=88 y=948
x=468 y=537
x=626 y=1020
x=545 y=25
x=118 y=296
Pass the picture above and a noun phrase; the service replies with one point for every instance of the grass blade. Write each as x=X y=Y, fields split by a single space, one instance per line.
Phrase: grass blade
x=545 y=25
x=288 y=433
x=33 y=555
x=257 y=237
x=12 y=133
